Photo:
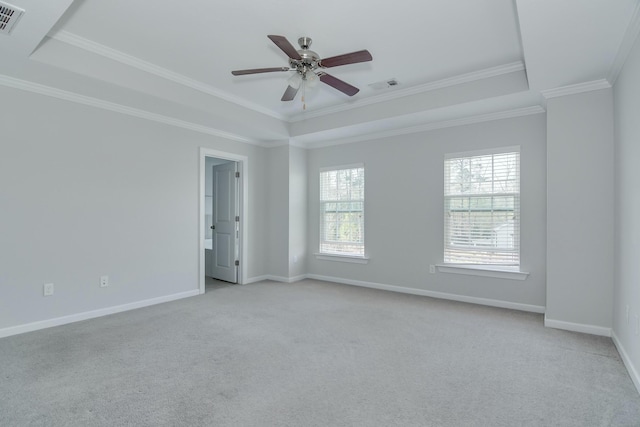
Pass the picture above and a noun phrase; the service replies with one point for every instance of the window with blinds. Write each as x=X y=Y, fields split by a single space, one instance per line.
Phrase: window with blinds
x=482 y=208
x=342 y=211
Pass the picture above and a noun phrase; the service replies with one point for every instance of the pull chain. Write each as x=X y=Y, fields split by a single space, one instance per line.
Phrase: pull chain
x=304 y=104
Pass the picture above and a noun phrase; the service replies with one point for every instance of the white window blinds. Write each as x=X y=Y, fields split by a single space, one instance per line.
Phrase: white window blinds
x=342 y=211
x=482 y=208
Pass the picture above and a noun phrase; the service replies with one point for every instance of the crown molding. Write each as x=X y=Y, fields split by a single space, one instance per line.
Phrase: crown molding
x=427 y=87
x=132 y=61
x=129 y=60
x=118 y=108
x=575 y=89
x=518 y=112
x=629 y=39
x=40 y=89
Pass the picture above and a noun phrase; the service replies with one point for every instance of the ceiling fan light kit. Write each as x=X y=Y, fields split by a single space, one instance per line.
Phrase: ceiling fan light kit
x=308 y=67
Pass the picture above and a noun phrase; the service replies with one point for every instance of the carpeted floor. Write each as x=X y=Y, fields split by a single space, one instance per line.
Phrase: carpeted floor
x=313 y=354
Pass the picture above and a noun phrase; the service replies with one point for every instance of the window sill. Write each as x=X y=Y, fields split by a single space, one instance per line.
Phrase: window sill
x=343 y=258
x=473 y=270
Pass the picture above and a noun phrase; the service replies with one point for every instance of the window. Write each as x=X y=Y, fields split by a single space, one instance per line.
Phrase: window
x=342 y=211
x=482 y=208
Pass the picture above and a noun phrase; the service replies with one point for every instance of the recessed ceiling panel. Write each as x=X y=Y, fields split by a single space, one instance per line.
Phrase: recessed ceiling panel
x=415 y=42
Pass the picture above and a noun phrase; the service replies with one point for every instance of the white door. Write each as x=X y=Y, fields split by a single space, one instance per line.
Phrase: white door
x=224 y=225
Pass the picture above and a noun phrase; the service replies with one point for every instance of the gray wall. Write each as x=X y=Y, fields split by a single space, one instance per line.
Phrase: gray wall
x=580 y=209
x=404 y=208
x=627 y=249
x=287 y=212
x=85 y=192
x=278 y=218
x=297 y=211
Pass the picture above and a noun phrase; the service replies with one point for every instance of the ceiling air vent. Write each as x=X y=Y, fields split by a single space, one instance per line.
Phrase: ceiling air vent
x=384 y=84
x=9 y=16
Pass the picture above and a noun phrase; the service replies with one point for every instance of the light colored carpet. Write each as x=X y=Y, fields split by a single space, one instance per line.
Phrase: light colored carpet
x=313 y=354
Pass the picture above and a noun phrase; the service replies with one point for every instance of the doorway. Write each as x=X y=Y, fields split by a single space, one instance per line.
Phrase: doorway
x=222 y=225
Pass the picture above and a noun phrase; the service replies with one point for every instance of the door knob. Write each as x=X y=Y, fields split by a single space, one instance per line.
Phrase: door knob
x=213 y=227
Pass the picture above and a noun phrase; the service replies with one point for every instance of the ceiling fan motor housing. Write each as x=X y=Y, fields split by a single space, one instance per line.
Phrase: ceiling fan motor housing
x=309 y=61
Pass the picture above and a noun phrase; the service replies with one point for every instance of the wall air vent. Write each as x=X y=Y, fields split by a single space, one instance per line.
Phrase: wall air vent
x=9 y=17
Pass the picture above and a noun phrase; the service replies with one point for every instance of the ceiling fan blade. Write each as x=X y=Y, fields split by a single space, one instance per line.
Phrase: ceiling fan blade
x=336 y=83
x=347 y=58
x=289 y=94
x=258 y=70
x=285 y=46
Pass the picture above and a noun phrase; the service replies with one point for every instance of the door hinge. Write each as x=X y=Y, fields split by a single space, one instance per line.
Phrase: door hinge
x=237 y=219
x=237 y=262
x=237 y=174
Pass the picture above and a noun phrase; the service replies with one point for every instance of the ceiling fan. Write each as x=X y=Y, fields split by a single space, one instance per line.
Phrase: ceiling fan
x=309 y=68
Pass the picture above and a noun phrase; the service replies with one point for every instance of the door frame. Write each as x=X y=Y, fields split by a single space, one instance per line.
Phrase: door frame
x=243 y=208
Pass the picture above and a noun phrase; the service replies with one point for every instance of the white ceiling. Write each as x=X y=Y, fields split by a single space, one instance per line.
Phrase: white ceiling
x=569 y=42
x=174 y=60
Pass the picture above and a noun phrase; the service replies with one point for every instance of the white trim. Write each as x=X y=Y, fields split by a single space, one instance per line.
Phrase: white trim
x=281 y=279
x=577 y=327
x=43 y=324
x=132 y=61
x=276 y=279
x=256 y=279
x=123 y=58
x=575 y=89
x=118 y=108
x=342 y=167
x=243 y=163
x=480 y=118
x=629 y=39
x=427 y=87
x=633 y=372
x=486 y=152
x=432 y=294
x=342 y=258
x=482 y=271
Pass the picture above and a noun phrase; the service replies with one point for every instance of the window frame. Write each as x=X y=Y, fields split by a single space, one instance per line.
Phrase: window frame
x=322 y=253
x=484 y=268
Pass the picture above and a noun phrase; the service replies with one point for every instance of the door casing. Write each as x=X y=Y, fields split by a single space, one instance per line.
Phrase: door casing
x=243 y=229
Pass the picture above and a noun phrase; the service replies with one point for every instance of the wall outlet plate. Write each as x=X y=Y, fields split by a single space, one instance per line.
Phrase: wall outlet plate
x=432 y=269
x=47 y=289
x=104 y=281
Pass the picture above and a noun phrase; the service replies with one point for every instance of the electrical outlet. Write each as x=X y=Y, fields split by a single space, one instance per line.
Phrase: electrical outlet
x=104 y=281
x=47 y=289
x=432 y=269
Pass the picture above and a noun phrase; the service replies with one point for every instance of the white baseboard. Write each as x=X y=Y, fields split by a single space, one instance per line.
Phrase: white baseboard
x=432 y=294
x=43 y=324
x=256 y=279
x=276 y=278
x=633 y=372
x=577 y=327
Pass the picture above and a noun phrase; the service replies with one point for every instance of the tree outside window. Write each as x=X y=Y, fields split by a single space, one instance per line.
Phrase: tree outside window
x=482 y=209
x=342 y=211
